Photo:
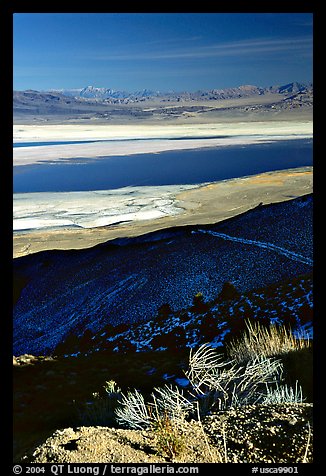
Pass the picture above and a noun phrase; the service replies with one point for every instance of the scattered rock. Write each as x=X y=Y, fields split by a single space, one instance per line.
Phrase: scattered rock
x=279 y=433
x=28 y=359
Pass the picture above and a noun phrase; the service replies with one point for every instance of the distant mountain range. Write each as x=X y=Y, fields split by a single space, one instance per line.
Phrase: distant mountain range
x=105 y=93
x=91 y=92
x=106 y=102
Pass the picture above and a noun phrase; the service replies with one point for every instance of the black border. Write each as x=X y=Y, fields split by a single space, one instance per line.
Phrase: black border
x=7 y=10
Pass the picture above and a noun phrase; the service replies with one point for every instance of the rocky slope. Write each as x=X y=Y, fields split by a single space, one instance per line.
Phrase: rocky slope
x=126 y=281
x=288 y=303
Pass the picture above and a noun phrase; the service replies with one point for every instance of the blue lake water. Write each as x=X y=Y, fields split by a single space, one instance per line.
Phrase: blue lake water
x=33 y=144
x=165 y=168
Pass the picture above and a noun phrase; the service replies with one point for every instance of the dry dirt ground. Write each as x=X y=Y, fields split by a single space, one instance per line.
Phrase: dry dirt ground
x=278 y=433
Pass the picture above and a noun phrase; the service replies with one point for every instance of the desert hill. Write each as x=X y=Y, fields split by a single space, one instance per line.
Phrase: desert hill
x=126 y=281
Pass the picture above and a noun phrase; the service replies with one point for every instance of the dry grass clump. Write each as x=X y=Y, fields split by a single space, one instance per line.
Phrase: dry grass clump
x=215 y=383
x=264 y=341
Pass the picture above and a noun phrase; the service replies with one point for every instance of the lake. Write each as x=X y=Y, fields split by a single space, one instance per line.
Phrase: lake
x=164 y=168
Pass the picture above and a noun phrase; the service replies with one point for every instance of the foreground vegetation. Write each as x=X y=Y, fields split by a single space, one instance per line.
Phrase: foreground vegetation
x=250 y=374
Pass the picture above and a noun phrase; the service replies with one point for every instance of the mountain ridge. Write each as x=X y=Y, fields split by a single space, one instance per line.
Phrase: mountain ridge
x=107 y=104
x=222 y=93
x=102 y=93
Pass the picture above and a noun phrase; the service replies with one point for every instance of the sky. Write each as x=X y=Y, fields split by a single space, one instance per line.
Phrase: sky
x=161 y=51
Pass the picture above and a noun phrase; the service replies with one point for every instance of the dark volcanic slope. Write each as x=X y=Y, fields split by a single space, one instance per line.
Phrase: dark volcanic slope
x=127 y=280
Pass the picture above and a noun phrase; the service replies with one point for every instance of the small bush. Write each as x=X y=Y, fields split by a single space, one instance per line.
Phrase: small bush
x=168 y=401
x=85 y=342
x=174 y=340
x=228 y=292
x=198 y=304
x=101 y=410
x=164 y=311
x=133 y=412
x=222 y=384
x=208 y=327
x=68 y=346
x=169 y=439
x=164 y=415
x=214 y=384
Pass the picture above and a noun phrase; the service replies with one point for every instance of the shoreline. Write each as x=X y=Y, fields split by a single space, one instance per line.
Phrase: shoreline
x=207 y=204
x=129 y=140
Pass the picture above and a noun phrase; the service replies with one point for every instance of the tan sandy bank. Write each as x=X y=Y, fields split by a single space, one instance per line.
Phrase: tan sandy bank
x=208 y=204
x=111 y=139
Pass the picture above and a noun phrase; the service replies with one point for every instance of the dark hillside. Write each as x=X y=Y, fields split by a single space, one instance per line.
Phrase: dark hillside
x=126 y=281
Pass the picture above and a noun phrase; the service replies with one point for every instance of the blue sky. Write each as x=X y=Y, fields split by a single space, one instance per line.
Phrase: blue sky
x=170 y=51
